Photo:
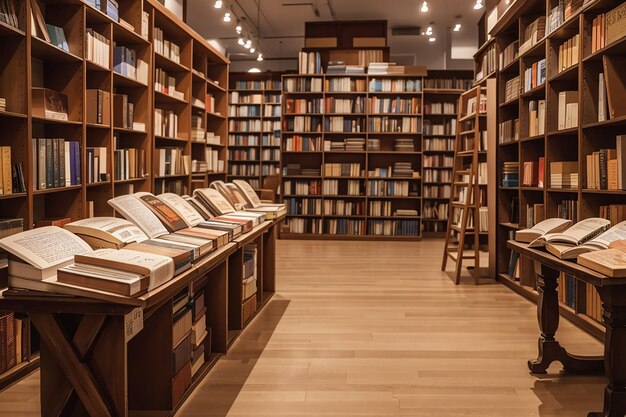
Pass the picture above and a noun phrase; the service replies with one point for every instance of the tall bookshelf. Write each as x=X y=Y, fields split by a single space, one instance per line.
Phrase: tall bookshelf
x=442 y=89
x=29 y=63
x=555 y=143
x=332 y=120
x=254 y=126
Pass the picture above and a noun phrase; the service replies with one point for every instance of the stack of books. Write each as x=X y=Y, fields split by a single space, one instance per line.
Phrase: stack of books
x=512 y=89
x=355 y=144
x=373 y=145
x=534 y=33
x=510 y=174
x=509 y=54
x=385 y=68
x=535 y=75
x=402 y=169
x=310 y=172
x=404 y=145
x=564 y=174
x=336 y=67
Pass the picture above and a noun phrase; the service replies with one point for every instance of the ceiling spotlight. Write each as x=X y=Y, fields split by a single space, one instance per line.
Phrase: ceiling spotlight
x=241 y=42
x=252 y=50
x=432 y=39
x=218 y=4
x=238 y=28
x=260 y=57
x=227 y=17
x=478 y=5
x=424 y=7
x=429 y=30
x=457 y=27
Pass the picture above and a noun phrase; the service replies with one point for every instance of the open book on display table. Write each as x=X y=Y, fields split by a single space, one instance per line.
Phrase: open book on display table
x=37 y=256
x=578 y=234
x=552 y=225
x=174 y=223
x=603 y=241
x=610 y=262
x=210 y=221
x=134 y=210
x=272 y=211
x=217 y=204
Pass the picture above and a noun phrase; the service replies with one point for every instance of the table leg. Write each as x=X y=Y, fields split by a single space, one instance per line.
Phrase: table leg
x=550 y=349
x=614 y=315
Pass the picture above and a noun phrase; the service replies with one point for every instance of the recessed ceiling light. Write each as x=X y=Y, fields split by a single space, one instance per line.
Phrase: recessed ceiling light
x=218 y=4
x=254 y=70
x=227 y=17
x=478 y=5
x=457 y=27
x=429 y=30
x=432 y=39
x=424 y=7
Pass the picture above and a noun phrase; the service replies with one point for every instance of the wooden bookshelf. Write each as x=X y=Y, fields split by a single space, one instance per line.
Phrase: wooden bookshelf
x=352 y=207
x=441 y=94
x=29 y=63
x=254 y=156
x=553 y=144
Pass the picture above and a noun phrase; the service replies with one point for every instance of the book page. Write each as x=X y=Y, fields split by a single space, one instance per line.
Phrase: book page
x=45 y=247
x=135 y=211
x=547 y=225
x=248 y=192
x=617 y=232
x=183 y=208
x=216 y=199
x=580 y=232
x=169 y=217
x=121 y=229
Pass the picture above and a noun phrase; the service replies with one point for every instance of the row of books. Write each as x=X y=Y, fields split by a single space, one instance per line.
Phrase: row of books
x=244 y=170
x=440 y=108
x=309 y=63
x=438 y=144
x=437 y=191
x=569 y=53
x=437 y=175
x=166 y=84
x=536 y=117
x=567 y=110
x=127 y=64
x=535 y=75
x=534 y=214
x=509 y=54
x=296 y=124
x=598 y=33
x=343 y=169
x=448 y=83
x=386 y=85
x=438 y=161
x=476 y=105
x=244 y=111
x=385 y=68
x=615 y=213
x=398 y=105
x=512 y=89
x=533 y=34
x=388 y=124
x=236 y=98
x=165 y=123
x=249 y=154
x=243 y=140
x=487 y=64
x=300 y=85
x=302 y=144
x=124 y=113
x=447 y=128
x=393 y=227
x=605 y=170
x=165 y=47
x=129 y=163
x=8 y=13
x=9 y=180
x=171 y=161
x=561 y=12
x=344 y=124
x=56 y=163
x=508 y=131
x=344 y=85
x=98 y=48
x=434 y=210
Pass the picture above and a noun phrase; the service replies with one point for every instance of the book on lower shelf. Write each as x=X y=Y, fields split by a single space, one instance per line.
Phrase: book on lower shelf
x=567 y=110
x=564 y=174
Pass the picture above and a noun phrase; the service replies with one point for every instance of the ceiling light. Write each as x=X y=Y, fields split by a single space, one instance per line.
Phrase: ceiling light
x=218 y=4
x=478 y=5
x=260 y=57
x=252 y=50
x=254 y=70
x=457 y=27
x=238 y=28
x=432 y=39
x=424 y=7
x=429 y=31
x=240 y=41
x=247 y=46
x=227 y=17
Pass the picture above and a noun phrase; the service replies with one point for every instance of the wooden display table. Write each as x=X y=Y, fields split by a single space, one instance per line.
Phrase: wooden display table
x=94 y=363
x=613 y=294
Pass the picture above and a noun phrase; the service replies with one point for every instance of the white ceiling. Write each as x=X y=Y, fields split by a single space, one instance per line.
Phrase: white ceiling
x=280 y=27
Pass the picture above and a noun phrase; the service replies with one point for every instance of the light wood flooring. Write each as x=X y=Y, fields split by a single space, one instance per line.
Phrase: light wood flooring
x=375 y=329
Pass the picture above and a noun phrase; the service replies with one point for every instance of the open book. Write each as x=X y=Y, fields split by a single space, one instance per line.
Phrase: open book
x=553 y=225
x=218 y=205
x=610 y=262
x=134 y=210
x=106 y=232
x=253 y=203
x=37 y=254
x=235 y=199
x=576 y=235
x=615 y=233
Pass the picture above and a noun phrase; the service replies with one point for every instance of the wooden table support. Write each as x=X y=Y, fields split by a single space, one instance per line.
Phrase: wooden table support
x=613 y=294
x=550 y=349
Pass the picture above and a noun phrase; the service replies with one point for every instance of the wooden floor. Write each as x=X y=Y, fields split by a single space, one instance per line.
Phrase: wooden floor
x=375 y=329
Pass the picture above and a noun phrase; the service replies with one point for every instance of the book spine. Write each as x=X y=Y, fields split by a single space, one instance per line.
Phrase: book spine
x=604 y=184
x=49 y=163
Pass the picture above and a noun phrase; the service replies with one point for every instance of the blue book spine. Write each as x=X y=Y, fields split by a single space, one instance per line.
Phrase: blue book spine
x=72 y=164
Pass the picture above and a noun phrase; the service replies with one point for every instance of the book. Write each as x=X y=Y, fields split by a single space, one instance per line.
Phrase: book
x=603 y=241
x=552 y=225
x=106 y=232
x=38 y=24
x=158 y=269
x=104 y=279
x=49 y=104
x=610 y=262
x=36 y=254
x=576 y=235
x=135 y=211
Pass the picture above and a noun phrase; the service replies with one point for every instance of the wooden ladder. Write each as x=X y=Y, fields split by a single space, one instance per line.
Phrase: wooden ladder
x=463 y=213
